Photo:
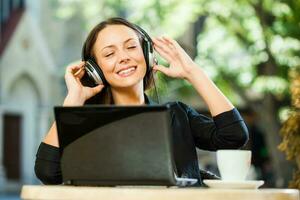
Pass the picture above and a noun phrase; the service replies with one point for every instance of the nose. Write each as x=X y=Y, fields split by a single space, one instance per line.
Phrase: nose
x=123 y=56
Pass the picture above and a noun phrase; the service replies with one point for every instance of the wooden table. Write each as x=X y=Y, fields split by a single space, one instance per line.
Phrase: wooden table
x=34 y=192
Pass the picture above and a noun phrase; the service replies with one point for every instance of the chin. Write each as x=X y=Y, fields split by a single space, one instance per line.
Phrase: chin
x=127 y=83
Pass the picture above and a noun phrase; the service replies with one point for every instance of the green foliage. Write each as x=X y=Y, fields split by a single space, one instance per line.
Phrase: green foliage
x=158 y=16
x=249 y=44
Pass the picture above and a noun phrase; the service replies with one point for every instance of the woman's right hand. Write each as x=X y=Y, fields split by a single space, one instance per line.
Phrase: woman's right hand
x=77 y=93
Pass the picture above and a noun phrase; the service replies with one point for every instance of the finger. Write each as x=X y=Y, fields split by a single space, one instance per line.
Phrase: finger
x=164 y=46
x=174 y=44
x=94 y=90
x=79 y=74
x=71 y=70
x=168 y=52
x=69 y=76
x=75 y=73
x=171 y=42
x=162 y=69
x=168 y=39
x=173 y=51
x=160 y=42
x=74 y=68
x=164 y=54
x=97 y=89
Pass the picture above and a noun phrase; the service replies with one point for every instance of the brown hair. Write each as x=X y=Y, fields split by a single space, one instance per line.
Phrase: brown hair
x=105 y=96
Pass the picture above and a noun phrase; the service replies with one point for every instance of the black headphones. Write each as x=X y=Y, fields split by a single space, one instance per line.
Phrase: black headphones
x=95 y=73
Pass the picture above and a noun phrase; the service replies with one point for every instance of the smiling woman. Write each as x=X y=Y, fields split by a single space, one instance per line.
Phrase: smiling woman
x=118 y=52
x=117 y=68
x=125 y=53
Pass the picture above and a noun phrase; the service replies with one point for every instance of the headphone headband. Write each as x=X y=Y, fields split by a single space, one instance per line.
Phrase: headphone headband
x=146 y=37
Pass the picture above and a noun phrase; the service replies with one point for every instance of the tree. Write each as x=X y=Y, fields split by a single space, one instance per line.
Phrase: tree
x=248 y=47
x=290 y=130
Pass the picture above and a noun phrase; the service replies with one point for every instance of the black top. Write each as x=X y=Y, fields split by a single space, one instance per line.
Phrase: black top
x=191 y=129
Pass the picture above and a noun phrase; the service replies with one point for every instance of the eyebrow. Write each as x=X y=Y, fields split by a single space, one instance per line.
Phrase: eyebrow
x=109 y=46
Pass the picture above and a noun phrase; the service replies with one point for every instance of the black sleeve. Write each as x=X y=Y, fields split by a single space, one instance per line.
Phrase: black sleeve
x=47 y=164
x=224 y=131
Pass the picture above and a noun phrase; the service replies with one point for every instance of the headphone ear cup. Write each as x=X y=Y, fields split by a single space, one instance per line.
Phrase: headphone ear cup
x=146 y=54
x=95 y=72
x=149 y=55
x=151 y=60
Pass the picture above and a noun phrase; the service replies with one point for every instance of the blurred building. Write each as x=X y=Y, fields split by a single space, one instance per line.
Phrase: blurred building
x=29 y=87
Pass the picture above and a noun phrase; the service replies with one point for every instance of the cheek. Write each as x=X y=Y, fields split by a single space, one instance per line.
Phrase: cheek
x=142 y=62
x=107 y=66
x=139 y=57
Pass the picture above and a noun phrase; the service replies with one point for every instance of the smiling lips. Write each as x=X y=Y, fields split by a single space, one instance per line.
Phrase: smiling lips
x=126 y=71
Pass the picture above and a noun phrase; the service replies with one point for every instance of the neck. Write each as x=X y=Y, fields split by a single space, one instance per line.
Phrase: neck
x=129 y=96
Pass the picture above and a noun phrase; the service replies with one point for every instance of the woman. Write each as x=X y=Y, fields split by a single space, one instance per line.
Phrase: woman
x=123 y=52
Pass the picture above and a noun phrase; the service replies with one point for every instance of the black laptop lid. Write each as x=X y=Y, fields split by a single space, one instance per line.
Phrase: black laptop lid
x=75 y=122
x=115 y=145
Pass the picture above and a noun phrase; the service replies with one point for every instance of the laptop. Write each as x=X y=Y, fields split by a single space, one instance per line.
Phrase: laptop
x=108 y=145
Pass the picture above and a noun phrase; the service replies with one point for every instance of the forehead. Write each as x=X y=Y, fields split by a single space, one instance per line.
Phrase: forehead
x=114 y=34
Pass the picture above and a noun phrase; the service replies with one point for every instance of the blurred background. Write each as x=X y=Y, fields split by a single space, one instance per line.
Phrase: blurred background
x=250 y=48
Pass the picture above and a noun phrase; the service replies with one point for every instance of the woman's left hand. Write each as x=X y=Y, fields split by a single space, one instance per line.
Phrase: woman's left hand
x=181 y=65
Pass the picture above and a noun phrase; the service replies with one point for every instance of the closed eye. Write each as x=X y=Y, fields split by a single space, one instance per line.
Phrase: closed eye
x=131 y=47
x=107 y=55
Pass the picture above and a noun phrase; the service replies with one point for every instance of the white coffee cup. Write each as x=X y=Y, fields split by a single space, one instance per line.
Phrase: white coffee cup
x=233 y=164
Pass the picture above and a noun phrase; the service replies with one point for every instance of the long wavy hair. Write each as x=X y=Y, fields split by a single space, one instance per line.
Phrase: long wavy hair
x=105 y=96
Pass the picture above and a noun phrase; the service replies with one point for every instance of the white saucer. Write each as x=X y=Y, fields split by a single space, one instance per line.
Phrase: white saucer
x=248 y=184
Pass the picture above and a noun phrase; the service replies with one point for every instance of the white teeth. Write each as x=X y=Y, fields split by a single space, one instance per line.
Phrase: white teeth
x=126 y=71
